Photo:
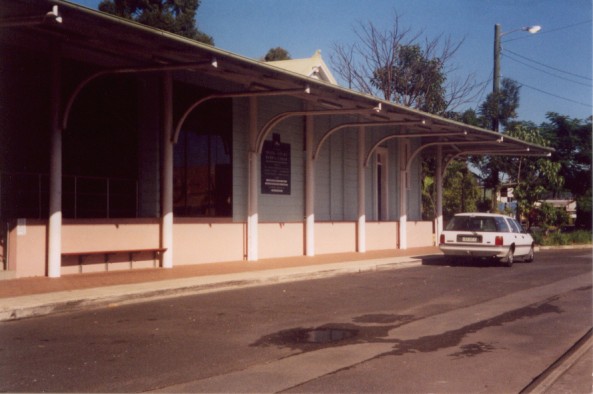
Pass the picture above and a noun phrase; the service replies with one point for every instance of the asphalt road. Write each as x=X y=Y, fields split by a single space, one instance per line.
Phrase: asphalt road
x=471 y=327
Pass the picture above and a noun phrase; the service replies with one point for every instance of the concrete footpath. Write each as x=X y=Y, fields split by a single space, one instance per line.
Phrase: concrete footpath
x=38 y=296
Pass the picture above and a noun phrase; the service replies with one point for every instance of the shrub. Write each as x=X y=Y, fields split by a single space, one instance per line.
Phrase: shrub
x=556 y=238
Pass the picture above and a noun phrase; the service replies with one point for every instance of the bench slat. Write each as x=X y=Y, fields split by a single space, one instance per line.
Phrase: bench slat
x=107 y=253
x=113 y=251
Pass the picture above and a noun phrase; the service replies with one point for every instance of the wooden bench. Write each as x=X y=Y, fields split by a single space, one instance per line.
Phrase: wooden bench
x=107 y=253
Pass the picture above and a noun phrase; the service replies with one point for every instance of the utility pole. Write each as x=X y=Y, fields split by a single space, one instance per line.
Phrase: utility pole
x=496 y=77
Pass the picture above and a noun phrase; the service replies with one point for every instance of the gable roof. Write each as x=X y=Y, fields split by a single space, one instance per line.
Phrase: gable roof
x=313 y=67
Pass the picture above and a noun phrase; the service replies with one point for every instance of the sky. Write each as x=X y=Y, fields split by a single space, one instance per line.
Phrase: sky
x=553 y=66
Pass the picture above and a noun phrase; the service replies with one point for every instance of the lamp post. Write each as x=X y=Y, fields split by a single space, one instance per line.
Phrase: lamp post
x=496 y=74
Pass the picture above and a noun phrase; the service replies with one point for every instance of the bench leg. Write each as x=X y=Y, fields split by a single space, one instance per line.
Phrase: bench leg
x=106 y=260
x=80 y=262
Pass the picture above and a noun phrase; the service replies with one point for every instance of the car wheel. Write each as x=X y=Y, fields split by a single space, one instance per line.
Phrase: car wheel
x=510 y=258
x=530 y=256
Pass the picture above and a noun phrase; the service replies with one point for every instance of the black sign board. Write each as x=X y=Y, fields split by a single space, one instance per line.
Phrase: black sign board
x=275 y=167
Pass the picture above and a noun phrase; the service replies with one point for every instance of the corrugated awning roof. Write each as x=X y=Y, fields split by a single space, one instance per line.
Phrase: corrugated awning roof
x=117 y=45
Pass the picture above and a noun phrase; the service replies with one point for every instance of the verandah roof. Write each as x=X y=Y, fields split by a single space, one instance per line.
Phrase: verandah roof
x=123 y=46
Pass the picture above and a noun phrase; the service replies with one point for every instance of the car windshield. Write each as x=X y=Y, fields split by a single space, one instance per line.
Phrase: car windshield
x=475 y=223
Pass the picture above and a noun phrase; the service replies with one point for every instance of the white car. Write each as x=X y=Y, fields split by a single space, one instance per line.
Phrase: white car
x=486 y=235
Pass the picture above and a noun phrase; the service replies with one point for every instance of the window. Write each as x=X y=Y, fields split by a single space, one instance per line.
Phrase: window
x=502 y=225
x=202 y=174
x=478 y=223
x=517 y=228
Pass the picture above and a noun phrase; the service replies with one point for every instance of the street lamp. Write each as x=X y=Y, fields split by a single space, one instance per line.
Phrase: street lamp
x=496 y=75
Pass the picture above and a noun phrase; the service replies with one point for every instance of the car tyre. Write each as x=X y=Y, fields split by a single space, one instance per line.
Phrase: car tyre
x=531 y=255
x=510 y=258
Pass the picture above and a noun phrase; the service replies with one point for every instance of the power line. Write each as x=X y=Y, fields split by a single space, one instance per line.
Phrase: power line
x=546 y=72
x=550 y=67
x=555 y=95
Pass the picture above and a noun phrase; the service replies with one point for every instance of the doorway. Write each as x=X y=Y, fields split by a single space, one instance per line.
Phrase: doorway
x=381 y=182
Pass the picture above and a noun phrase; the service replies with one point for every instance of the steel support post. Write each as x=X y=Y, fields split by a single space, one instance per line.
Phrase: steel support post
x=167 y=176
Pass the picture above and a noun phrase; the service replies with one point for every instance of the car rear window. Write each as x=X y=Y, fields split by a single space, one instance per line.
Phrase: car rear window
x=477 y=223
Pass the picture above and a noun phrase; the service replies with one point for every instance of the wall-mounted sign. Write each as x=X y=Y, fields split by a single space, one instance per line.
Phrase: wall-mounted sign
x=275 y=167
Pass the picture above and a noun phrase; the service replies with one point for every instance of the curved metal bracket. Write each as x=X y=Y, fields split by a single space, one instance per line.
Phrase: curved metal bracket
x=394 y=136
x=457 y=143
x=513 y=152
x=192 y=107
x=81 y=85
x=349 y=125
x=285 y=115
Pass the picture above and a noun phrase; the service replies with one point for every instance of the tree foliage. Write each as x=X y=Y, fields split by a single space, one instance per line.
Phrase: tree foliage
x=547 y=216
x=277 y=53
x=460 y=190
x=176 y=16
x=535 y=177
x=414 y=80
x=571 y=139
x=501 y=107
x=429 y=191
x=585 y=211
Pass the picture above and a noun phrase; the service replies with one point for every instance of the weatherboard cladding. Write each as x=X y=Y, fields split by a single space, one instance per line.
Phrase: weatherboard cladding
x=336 y=169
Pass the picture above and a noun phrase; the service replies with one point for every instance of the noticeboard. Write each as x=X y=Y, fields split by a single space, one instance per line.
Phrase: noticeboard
x=275 y=167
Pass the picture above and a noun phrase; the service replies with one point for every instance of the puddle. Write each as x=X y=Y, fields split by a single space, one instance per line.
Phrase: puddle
x=375 y=328
x=473 y=349
x=312 y=338
x=325 y=335
x=319 y=335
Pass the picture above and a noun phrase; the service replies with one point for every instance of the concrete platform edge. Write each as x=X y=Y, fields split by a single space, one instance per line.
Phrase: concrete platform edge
x=22 y=307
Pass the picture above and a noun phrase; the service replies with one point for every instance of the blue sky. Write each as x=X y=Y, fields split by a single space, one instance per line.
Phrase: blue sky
x=554 y=66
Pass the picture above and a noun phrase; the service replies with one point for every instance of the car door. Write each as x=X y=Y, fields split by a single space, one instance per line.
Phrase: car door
x=522 y=241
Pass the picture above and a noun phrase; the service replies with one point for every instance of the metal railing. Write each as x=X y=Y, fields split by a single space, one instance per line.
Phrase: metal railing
x=26 y=195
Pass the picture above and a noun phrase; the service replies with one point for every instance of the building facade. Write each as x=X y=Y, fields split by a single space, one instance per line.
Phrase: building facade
x=127 y=147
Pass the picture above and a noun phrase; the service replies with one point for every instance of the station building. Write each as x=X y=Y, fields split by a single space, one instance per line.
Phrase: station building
x=124 y=146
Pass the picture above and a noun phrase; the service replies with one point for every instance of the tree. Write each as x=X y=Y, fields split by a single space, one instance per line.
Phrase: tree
x=176 y=16
x=571 y=138
x=428 y=196
x=501 y=106
x=508 y=102
x=546 y=216
x=394 y=64
x=460 y=190
x=277 y=53
x=585 y=211
x=469 y=116
x=416 y=81
x=400 y=67
x=538 y=177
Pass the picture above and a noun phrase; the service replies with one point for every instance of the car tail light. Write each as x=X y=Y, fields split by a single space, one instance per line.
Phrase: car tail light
x=499 y=241
x=442 y=239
